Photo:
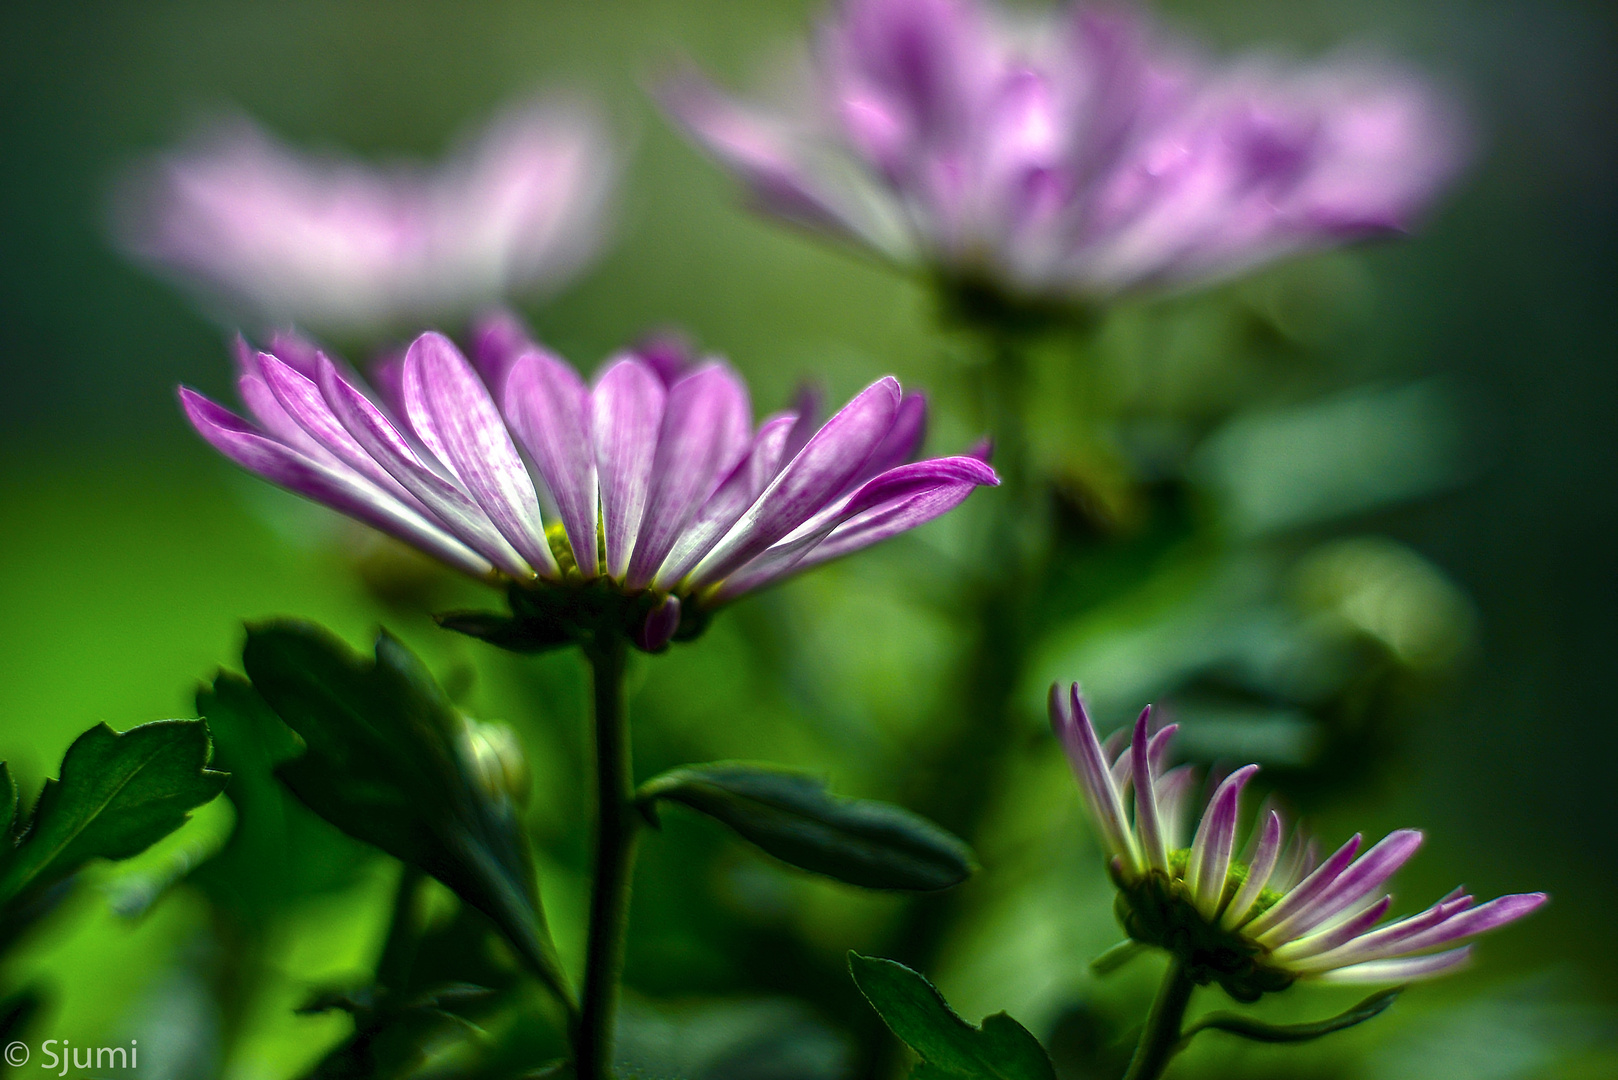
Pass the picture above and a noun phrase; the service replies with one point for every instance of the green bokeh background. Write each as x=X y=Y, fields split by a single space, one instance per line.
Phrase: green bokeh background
x=129 y=554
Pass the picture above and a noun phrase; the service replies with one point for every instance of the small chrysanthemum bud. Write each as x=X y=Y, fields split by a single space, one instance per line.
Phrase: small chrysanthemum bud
x=1258 y=922
x=496 y=759
x=661 y=622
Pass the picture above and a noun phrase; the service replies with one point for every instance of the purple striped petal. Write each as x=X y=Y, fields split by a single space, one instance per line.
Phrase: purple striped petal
x=1331 y=937
x=1384 y=941
x=1457 y=925
x=1258 y=872
x=1146 y=813
x=1408 y=969
x=453 y=413
x=738 y=491
x=1101 y=797
x=627 y=413
x=443 y=497
x=902 y=441
x=1158 y=749
x=1367 y=875
x=1215 y=840
x=332 y=485
x=1318 y=881
x=548 y=406
x=835 y=454
x=929 y=490
x=705 y=432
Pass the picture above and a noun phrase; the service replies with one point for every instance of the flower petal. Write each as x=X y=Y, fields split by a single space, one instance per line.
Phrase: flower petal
x=1072 y=726
x=1258 y=872
x=1306 y=890
x=735 y=494
x=453 y=508
x=549 y=409
x=627 y=414
x=452 y=411
x=333 y=485
x=1407 y=969
x=823 y=467
x=1146 y=811
x=1367 y=875
x=1214 y=842
x=705 y=432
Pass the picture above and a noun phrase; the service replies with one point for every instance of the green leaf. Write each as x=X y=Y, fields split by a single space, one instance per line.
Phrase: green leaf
x=1257 y=1030
x=793 y=817
x=8 y=806
x=387 y=761
x=280 y=853
x=1001 y=1049
x=118 y=794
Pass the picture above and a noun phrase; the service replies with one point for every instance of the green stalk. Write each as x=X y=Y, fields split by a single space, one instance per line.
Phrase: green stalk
x=1160 y=1040
x=614 y=858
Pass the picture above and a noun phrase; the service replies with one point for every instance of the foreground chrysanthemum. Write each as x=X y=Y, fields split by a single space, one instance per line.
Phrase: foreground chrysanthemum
x=650 y=486
x=1076 y=157
x=284 y=236
x=1258 y=924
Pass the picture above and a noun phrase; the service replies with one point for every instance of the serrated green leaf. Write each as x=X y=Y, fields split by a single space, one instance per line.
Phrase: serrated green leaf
x=1000 y=1049
x=793 y=817
x=117 y=794
x=385 y=762
x=1258 y=1031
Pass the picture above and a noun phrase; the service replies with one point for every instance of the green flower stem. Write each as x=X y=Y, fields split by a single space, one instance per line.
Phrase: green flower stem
x=615 y=853
x=1160 y=1040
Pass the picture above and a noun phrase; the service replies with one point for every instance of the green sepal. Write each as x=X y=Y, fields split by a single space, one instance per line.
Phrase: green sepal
x=118 y=793
x=793 y=817
x=1116 y=957
x=1258 y=1031
x=386 y=762
x=999 y=1049
x=545 y=617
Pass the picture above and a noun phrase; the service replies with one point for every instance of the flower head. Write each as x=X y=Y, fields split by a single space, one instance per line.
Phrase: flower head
x=1255 y=923
x=1079 y=157
x=328 y=241
x=649 y=495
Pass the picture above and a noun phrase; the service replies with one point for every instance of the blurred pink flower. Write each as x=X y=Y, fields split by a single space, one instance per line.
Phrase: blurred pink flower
x=327 y=241
x=1077 y=156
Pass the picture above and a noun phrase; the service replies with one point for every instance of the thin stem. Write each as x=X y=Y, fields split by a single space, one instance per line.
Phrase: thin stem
x=1160 y=1040
x=615 y=853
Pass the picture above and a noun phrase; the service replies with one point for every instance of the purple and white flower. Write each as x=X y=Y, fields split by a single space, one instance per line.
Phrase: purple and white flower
x=327 y=241
x=1275 y=914
x=1076 y=157
x=653 y=480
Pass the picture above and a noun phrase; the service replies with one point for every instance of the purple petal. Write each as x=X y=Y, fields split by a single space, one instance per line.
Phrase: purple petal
x=1258 y=871
x=900 y=500
x=1469 y=922
x=1215 y=840
x=667 y=352
x=453 y=413
x=333 y=485
x=738 y=491
x=444 y=498
x=754 y=147
x=1146 y=820
x=1367 y=875
x=902 y=441
x=705 y=432
x=549 y=409
x=821 y=469
x=1078 y=736
x=627 y=414
x=661 y=622
x=498 y=338
x=1306 y=890
x=1173 y=791
x=1408 y=969
x=1332 y=936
